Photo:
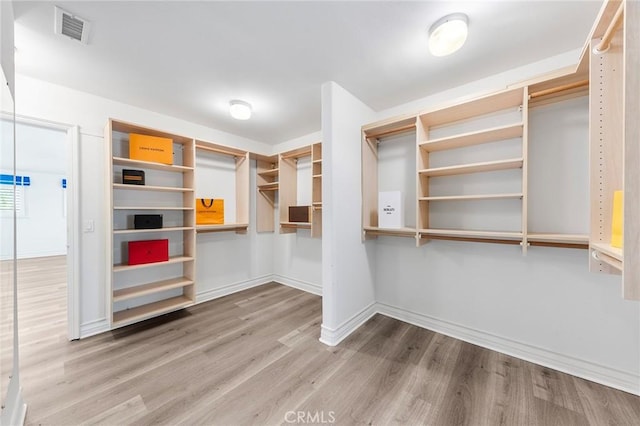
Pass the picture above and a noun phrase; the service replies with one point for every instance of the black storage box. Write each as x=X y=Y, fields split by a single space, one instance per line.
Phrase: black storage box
x=299 y=213
x=133 y=177
x=147 y=221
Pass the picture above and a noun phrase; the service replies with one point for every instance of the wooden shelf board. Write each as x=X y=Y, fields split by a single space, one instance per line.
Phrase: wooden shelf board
x=151 y=165
x=605 y=248
x=150 y=288
x=268 y=187
x=270 y=172
x=489 y=166
x=219 y=149
x=172 y=260
x=316 y=203
x=391 y=232
x=124 y=127
x=138 y=231
x=477 y=107
x=390 y=126
x=152 y=309
x=472 y=197
x=221 y=228
x=317 y=176
x=474 y=138
x=301 y=225
x=317 y=161
x=304 y=151
x=150 y=188
x=558 y=238
x=180 y=208
x=471 y=233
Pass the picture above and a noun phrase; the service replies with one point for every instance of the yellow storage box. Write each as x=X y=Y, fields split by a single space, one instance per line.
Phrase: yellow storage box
x=150 y=148
x=209 y=211
x=616 y=220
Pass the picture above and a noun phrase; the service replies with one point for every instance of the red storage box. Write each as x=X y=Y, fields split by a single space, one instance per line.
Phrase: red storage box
x=149 y=251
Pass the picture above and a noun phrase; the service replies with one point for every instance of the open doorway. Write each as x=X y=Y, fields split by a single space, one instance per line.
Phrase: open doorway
x=45 y=218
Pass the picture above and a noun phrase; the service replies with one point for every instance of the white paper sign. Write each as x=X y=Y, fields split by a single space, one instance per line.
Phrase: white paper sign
x=390 y=213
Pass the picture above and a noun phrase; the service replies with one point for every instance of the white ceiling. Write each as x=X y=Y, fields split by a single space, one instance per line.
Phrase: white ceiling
x=189 y=59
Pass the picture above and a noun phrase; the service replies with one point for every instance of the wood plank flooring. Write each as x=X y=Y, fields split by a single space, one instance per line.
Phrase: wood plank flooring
x=254 y=358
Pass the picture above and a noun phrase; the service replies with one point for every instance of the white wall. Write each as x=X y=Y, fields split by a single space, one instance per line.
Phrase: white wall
x=297 y=258
x=49 y=102
x=41 y=155
x=348 y=264
x=545 y=306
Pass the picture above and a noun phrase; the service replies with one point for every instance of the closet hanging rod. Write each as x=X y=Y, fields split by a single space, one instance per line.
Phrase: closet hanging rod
x=603 y=46
x=220 y=150
x=391 y=132
x=562 y=88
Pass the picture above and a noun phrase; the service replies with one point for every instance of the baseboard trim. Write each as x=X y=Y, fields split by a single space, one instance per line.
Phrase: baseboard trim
x=226 y=290
x=94 y=327
x=14 y=411
x=300 y=285
x=332 y=337
x=604 y=375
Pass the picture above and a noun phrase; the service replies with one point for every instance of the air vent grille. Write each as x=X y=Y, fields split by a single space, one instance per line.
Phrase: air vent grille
x=71 y=26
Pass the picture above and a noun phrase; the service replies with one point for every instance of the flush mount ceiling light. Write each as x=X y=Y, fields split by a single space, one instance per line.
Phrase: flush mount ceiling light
x=448 y=34
x=240 y=110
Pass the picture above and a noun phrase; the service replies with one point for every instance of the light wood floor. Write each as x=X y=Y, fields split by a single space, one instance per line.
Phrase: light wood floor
x=254 y=358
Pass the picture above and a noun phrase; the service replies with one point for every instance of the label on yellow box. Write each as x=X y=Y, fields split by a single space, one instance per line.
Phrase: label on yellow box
x=150 y=148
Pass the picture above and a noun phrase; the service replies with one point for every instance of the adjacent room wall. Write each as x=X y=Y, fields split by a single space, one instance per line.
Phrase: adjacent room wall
x=42 y=156
x=348 y=269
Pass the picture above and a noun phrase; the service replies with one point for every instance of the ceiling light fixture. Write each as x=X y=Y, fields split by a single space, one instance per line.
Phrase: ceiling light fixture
x=448 y=34
x=240 y=110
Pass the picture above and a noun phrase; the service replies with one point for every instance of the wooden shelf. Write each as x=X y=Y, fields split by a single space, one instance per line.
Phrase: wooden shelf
x=177 y=208
x=558 y=238
x=221 y=228
x=616 y=253
x=272 y=172
x=317 y=161
x=395 y=232
x=299 y=225
x=172 y=260
x=268 y=187
x=150 y=288
x=317 y=176
x=150 y=188
x=152 y=309
x=471 y=234
x=489 y=166
x=474 y=138
x=138 y=231
x=511 y=98
x=472 y=197
x=317 y=204
x=220 y=149
x=150 y=165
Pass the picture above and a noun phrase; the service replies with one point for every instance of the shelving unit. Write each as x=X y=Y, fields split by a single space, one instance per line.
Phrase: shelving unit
x=267 y=177
x=165 y=286
x=241 y=158
x=316 y=190
x=614 y=54
x=452 y=118
x=372 y=135
x=288 y=187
